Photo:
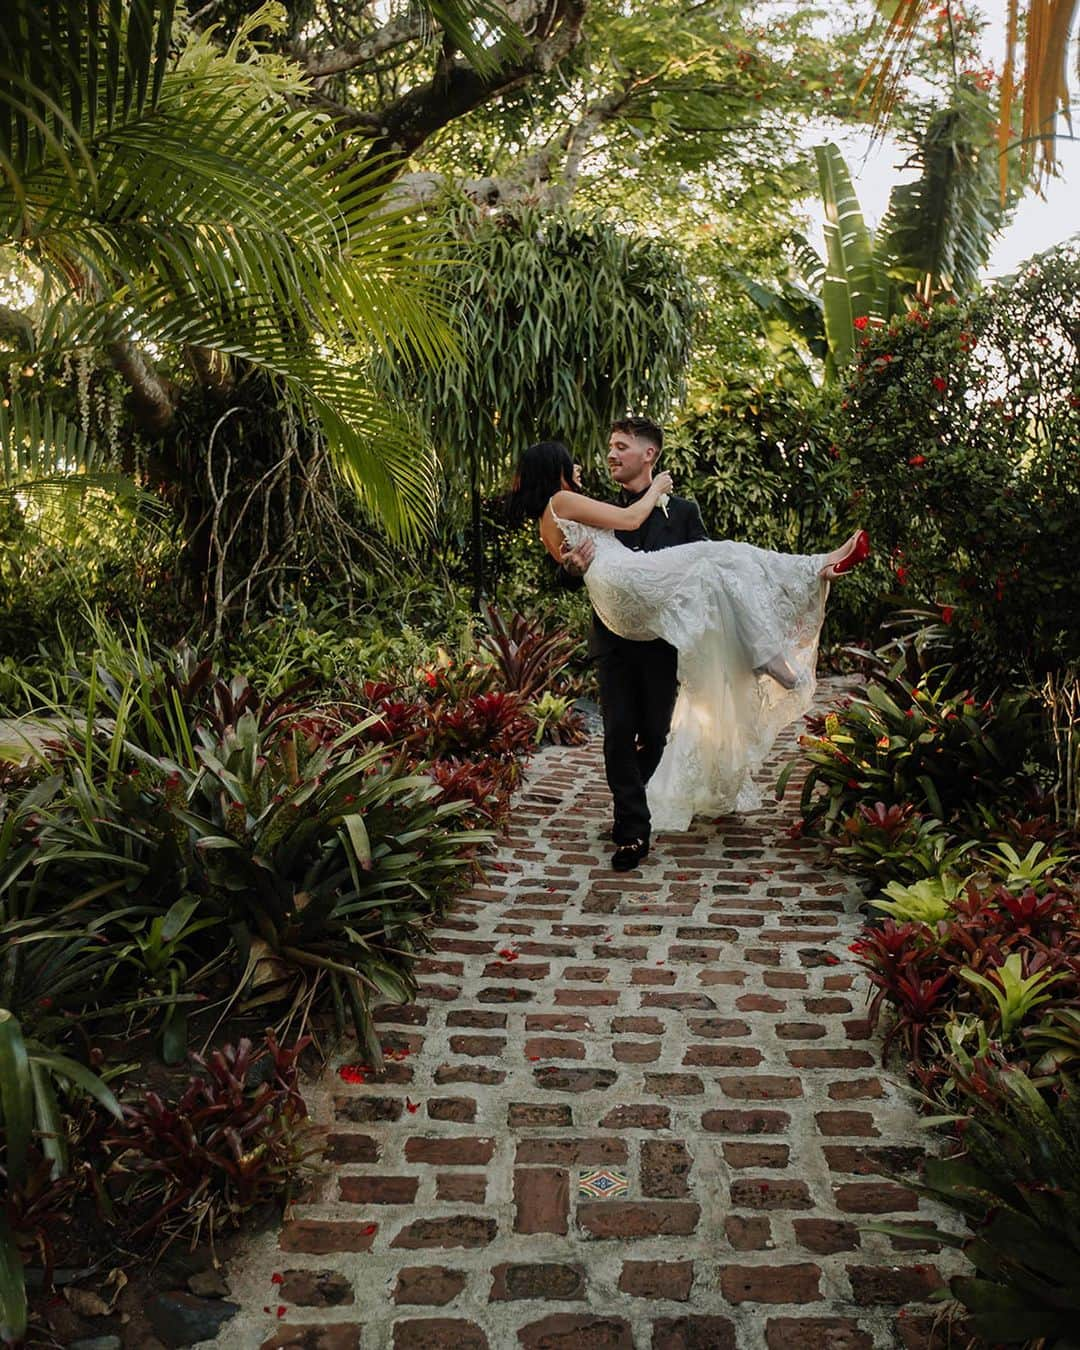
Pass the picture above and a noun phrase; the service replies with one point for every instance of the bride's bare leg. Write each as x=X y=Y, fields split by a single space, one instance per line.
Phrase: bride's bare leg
x=780 y=671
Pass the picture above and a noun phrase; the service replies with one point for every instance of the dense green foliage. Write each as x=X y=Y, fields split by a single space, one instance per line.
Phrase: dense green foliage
x=176 y=848
x=283 y=292
x=962 y=434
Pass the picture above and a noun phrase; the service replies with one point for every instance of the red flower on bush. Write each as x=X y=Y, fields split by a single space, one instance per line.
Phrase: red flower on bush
x=917 y=461
x=939 y=384
x=947 y=613
x=861 y=322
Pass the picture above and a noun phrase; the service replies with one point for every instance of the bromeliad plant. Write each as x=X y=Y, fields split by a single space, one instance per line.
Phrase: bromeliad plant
x=235 y=1137
x=894 y=844
x=527 y=654
x=1016 y=1180
x=983 y=950
x=1013 y=993
x=926 y=744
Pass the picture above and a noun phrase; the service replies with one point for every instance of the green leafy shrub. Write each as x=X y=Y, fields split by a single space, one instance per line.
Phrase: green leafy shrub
x=34 y=1133
x=962 y=433
x=761 y=462
x=414 y=630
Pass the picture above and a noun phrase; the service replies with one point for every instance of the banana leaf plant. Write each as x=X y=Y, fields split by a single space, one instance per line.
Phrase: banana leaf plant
x=934 y=238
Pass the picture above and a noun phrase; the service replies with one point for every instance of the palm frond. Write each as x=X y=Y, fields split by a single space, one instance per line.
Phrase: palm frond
x=39 y=443
x=380 y=448
x=1044 y=89
x=480 y=29
x=66 y=69
x=205 y=209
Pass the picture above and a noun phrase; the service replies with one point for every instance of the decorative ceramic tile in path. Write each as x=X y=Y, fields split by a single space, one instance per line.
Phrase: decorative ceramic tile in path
x=694 y=1032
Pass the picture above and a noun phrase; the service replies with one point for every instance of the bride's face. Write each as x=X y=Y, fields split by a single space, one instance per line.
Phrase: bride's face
x=577 y=475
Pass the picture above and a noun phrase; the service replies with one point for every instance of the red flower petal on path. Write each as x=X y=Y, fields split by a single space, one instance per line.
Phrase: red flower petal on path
x=352 y=1073
x=533 y=1059
x=277 y=1278
x=411 y=1107
x=371 y=1228
x=281 y=1310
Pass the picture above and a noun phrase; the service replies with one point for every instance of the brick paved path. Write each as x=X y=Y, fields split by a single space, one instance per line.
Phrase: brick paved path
x=694 y=1030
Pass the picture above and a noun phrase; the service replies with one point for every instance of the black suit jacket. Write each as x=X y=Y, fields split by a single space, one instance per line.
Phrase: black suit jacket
x=681 y=525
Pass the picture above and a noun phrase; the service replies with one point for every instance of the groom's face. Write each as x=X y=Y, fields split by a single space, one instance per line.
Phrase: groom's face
x=630 y=459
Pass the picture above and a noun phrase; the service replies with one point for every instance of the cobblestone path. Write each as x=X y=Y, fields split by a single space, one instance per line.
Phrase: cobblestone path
x=624 y=1112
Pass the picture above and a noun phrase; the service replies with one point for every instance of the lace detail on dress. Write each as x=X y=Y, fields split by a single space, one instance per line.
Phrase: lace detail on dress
x=727 y=608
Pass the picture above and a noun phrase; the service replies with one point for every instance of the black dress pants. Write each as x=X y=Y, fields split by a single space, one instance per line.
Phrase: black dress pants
x=638 y=683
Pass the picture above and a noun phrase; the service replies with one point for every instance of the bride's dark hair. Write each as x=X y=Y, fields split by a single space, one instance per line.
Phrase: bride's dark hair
x=542 y=470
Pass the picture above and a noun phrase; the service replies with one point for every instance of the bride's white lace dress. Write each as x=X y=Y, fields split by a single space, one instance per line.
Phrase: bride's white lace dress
x=727 y=608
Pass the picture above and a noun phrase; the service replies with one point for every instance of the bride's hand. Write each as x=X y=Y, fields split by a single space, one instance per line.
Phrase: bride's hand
x=663 y=483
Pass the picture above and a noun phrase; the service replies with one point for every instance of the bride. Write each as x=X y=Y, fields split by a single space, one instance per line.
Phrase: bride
x=745 y=622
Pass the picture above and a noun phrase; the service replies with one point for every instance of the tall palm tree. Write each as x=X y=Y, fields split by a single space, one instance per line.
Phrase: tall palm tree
x=170 y=200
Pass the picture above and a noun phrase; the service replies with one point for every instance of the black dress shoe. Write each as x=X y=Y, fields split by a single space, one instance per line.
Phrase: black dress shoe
x=627 y=856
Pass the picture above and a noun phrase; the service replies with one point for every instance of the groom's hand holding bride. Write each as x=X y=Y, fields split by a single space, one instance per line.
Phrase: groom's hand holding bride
x=575 y=561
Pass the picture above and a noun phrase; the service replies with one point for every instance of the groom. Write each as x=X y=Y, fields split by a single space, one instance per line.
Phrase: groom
x=638 y=680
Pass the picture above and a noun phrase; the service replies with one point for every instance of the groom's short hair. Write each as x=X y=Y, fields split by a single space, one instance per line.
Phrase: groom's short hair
x=643 y=427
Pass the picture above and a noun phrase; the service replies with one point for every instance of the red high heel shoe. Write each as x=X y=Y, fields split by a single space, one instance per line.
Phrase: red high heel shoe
x=859 y=550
